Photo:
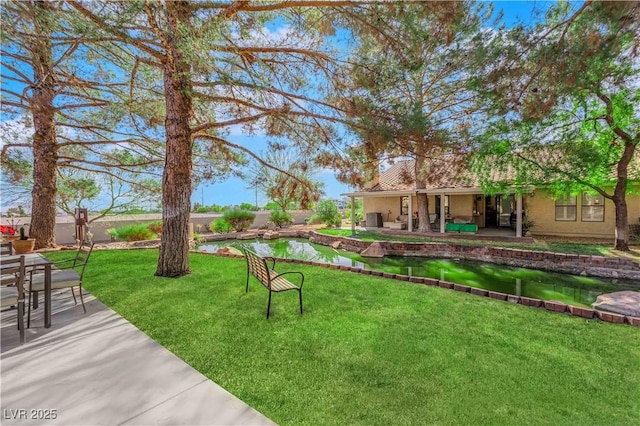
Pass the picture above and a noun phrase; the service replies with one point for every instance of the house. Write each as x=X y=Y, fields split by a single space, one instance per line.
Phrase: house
x=455 y=197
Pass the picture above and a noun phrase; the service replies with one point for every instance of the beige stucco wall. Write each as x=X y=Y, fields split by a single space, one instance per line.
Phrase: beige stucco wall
x=541 y=209
x=382 y=205
x=460 y=205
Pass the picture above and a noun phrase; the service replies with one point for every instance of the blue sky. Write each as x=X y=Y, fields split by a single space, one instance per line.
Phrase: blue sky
x=234 y=191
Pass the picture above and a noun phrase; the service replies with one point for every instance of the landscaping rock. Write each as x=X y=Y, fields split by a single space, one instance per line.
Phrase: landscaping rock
x=247 y=236
x=336 y=244
x=271 y=235
x=620 y=302
x=374 y=250
x=229 y=250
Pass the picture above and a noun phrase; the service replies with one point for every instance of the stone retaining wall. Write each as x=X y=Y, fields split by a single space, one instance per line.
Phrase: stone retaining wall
x=599 y=266
x=549 y=305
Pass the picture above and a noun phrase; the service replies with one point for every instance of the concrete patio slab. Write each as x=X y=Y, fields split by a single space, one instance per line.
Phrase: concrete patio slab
x=98 y=369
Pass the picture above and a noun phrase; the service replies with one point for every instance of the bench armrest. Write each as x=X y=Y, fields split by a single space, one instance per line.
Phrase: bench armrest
x=273 y=261
x=292 y=272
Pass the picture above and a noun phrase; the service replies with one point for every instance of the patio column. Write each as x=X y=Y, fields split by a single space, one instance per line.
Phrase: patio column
x=519 y=216
x=353 y=215
x=442 y=213
x=410 y=218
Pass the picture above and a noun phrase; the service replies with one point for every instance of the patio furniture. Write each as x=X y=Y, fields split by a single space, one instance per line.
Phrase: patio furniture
x=6 y=248
x=395 y=225
x=461 y=227
x=272 y=280
x=12 y=289
x=69 y=274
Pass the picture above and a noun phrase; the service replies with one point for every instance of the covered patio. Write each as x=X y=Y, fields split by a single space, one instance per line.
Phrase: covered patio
x=498 y=215
x=456 y=203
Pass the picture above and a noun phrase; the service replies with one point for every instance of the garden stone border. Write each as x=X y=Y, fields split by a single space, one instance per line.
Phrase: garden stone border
x=549 y=305
x=597 y=266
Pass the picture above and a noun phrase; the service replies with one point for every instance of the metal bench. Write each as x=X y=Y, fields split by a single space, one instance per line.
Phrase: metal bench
x=272 y=280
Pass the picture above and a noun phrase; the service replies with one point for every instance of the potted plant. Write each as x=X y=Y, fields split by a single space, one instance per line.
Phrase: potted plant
x=24 y=244
x=527 y=224
x=9 y=232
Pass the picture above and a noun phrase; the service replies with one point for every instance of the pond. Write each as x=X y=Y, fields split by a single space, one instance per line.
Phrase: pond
x=570 y=289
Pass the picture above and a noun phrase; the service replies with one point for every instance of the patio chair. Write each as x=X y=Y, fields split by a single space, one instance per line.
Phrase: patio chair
x=6 y=248
x=68 y=274
x=12 y=289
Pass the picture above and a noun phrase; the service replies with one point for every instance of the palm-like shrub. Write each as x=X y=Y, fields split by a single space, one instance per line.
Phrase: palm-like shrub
x=328 y=213
x=220 y=226
x=281 y=219
x=132 y=232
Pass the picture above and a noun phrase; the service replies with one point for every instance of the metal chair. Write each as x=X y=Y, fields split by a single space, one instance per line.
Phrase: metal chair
x=68 y=274
x=6 y=248
x=12 y=289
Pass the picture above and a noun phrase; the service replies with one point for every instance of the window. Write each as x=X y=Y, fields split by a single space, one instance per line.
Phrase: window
x=566 y=209
x=404 y=206
x=592 y=208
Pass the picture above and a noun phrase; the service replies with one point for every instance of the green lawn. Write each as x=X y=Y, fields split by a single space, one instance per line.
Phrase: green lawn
x=374 y=351
x=553 y=246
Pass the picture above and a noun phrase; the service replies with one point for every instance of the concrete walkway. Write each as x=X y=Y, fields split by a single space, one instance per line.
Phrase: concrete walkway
x=98 y=369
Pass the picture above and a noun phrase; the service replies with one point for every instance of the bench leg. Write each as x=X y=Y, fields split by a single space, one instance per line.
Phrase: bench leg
x=246 y=290
x=300 y=293
x=269 y=305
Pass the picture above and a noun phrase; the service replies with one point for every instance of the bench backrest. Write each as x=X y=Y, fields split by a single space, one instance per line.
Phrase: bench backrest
x=257 y=267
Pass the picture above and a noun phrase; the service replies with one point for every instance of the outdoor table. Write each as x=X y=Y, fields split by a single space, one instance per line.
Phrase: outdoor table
x=33 y=261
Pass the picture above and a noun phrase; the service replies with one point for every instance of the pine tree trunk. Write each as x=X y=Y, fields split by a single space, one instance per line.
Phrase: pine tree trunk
x=173 y=260
x=45 y=150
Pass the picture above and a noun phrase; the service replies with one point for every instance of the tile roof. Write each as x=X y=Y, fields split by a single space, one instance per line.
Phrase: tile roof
x=442 y=172
x=451 y=171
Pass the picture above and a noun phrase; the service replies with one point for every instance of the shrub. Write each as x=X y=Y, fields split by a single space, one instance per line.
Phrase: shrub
x=203 y=209
x=358 y=213
x=220 y=226
x=132 y=232
x=313 y=220
x=239 y=219
x=155 y=227
x=112 y=233
x=248 y=206
x=281 y=219
x=328 y=213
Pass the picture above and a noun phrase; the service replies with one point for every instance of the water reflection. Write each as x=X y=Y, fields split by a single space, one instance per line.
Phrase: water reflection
x=576 y=290
x=291 y=249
